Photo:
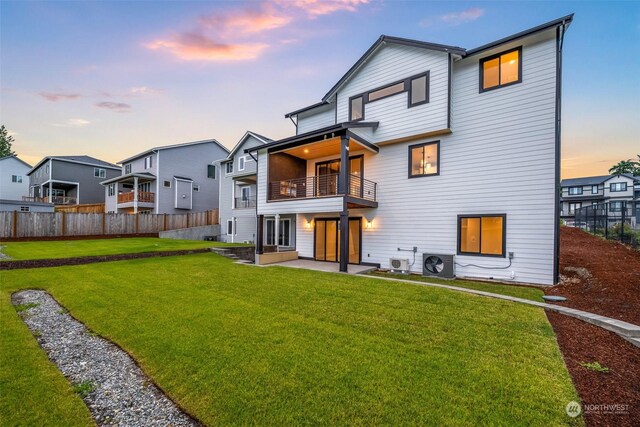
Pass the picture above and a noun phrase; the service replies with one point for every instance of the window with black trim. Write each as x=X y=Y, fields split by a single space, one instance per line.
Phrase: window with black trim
x=575 y=191
x=618 y=186
x=500 y=70
x=573 y=206
x=196 y=187
x=424 y=159
x=211 y=171
x=594 y=189
x=385 y=91
x=419 y=90
x=167 y=184
x=356 y=108
x=230 y=227
x=615 y=206
x=482 y=235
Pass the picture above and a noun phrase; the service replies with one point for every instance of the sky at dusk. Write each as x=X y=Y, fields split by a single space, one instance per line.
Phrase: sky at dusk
x=110 y=79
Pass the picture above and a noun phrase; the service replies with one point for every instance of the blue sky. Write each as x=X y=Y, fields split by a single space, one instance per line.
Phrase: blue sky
x=110 y=79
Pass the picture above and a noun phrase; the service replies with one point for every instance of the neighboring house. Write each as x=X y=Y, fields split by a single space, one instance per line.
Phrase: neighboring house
x=70 y=180
x=171 y=179
x=14 y=182
x=238 y=190
x=595 y=190
x=25 y=206
x=447 y=150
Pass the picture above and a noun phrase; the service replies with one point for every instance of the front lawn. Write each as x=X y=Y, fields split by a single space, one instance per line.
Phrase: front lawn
x=237 y=344
x=77 y=248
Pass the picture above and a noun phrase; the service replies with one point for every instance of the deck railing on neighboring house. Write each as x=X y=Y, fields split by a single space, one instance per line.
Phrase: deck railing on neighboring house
x=321 y=186
x=244 y=203
x=143 y=196
x=56 y=200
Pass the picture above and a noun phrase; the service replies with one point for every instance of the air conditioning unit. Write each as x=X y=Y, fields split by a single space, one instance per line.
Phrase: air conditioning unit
x=438 y=265
x=399 y=265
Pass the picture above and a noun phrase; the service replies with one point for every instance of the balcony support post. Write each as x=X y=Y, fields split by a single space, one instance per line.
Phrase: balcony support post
x=343 y=177
x=259 y=235
x=276 y=230
x=344 y=239
x=135 y=194
x=51 y=192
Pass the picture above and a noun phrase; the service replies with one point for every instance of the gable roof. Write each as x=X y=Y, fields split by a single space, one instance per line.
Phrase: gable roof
x=82 y=159
x=263 y=139
x=454 y=50
x=15 y=156
x=166 y=147
x=594 y=180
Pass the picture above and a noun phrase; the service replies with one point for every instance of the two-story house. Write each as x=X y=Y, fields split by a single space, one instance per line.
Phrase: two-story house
x=14 y=182
x=70 y=180
x=427 y=146
x=614 y=190
x=238 y=190
x=171 y=179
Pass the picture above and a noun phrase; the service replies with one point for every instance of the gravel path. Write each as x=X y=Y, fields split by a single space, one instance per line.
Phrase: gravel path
x=117 y=392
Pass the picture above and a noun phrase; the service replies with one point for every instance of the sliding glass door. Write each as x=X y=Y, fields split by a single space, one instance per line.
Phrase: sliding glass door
x=327 y=239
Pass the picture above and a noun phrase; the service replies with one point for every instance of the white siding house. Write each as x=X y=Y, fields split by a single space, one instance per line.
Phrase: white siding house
x=238 y=191
x=450 y=151
x=14 y=182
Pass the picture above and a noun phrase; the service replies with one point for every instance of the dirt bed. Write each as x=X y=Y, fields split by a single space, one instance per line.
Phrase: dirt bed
x=600 y=276
x=57 y=262
x=618 y=389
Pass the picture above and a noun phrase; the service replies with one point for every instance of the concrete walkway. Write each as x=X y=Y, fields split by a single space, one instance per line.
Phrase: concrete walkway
x=628 y=331
x=327 y=267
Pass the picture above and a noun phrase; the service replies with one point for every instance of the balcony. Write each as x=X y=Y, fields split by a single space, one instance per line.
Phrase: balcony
x=244 y=203
x=312 y=187
x=56 y=200
x=143 y=197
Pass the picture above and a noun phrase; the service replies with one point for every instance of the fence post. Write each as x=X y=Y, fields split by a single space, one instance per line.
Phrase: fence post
x=624 y=213
x=606 y=220
x=104 y=220
x=164 y=228
x=136 y=214
x=595 y=210
x=188 y=215
x=64 y=223
x=14 y=232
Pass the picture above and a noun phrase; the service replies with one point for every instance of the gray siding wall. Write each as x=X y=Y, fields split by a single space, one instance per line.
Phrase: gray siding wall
x=13 y=190
x=245 y=218
x=317 y=118
x=189 y=161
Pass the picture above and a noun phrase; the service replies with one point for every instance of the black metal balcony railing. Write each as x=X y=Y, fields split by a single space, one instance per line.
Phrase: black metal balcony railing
x=244 y=203
x=320 y=186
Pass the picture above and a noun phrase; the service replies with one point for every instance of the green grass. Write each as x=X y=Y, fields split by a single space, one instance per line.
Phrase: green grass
x=525 y=292
x=24 y=307
x=84 y=388
x=237 y=344
x=78 y=248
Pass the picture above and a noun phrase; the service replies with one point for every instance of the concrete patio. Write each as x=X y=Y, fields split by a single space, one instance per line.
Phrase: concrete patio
x=329 y=267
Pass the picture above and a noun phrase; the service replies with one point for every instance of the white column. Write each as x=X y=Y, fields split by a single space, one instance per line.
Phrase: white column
x=276 y=230
x=50 y=192
x=135 y=194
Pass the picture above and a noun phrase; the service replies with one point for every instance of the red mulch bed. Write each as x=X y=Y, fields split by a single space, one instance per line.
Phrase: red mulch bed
x=582 y=342
x=41 y=263
x=600 y=276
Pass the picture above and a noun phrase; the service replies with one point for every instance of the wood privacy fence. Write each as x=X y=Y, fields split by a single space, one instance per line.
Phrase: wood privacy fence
x=60 y=224
x=86 y=208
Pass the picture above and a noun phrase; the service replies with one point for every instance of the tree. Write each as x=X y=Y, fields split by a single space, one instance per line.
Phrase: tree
x=624 y=166
x=636 y=172
x=5 y=143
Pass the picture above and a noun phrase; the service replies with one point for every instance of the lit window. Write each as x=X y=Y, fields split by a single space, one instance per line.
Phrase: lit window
x=211 y=171
x=424 y=159
x=575 y=191
x=99 y=173
x=419 y=90
x=501 y=70
x=482 y=235
x=356 y=108
x=386 y=91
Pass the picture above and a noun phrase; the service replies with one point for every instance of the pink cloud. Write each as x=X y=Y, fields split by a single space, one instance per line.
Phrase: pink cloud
x=457 y=18
x=118 y=107
x=55 y=97
x=193 y=47
x=239 y=34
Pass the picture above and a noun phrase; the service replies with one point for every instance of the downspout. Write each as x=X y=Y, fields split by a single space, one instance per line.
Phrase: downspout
x=560 y=30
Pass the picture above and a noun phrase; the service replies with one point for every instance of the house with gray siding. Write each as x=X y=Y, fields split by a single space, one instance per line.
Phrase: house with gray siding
x=70 y=180
x=238 y=191
x=171 y=179
x=14 y=182
x=617 y=191
x=424 y=148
